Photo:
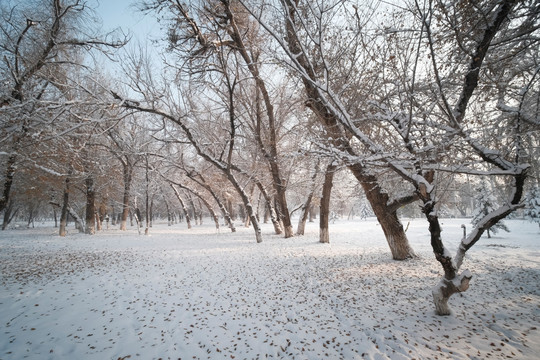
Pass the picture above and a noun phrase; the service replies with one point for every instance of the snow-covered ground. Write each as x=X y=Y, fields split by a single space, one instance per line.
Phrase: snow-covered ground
x=199 y=294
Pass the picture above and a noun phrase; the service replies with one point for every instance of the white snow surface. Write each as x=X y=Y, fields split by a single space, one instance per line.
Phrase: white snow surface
x=200 y=294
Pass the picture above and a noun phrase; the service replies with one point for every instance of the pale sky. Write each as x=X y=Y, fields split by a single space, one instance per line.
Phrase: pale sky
x=123 y=14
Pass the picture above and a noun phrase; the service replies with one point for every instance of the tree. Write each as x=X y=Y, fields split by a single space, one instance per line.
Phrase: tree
x=126 y=145
x=532 y=207
x=486 y=203
x=212 y=28
x=430 y=108
x=324 y=236
x=41 y=46
x=304 y=210
x=314 y=60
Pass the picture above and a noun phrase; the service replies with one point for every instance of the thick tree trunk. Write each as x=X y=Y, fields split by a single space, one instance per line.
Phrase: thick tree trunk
x=324 y=233
x=386 y=215
x=90 y=207
x=446 y=288
x=284 y=210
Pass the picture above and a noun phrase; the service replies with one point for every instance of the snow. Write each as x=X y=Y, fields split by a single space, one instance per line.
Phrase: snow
x=200 y=294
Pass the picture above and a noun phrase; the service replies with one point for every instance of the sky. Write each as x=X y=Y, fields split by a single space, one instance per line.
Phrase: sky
x=123 y=14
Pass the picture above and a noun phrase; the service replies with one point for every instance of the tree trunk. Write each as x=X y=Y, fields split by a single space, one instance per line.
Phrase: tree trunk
x=192 y=208
x=270 y=210
x=79 y=223
x=386 y=215
x=307 y=205
x=312 y=215
x=90 y=207
x=247 y=205
x=125 y=199
x=324 y=234
x=9 y=214
x=201 y=181
x=184 y=209
x=98 y=221
x=446 y=288
x=169 y=215
x=283 y=209
x=146 y=201
x=113 y=215
x=8 y=182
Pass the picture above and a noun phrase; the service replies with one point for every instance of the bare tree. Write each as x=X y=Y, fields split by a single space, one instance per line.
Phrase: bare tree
x=41 y=47
x=425 y=122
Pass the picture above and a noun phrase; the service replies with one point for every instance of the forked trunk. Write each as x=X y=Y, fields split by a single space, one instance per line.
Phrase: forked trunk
x=446 y=288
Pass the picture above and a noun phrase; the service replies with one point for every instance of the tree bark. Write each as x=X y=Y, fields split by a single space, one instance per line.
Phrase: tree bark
x=386 y=215
x=208 y=206
x=90 y=227
x=249 y=207
x=307 y=205
x=8 y=182
x=146 y=199
x=324 y=233
x=9 y=214
x=183 y=205
x=270 y=210
x=127 y=169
